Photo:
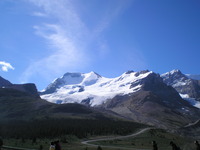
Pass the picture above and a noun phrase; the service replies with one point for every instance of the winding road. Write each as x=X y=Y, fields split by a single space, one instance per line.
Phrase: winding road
x=88 y=142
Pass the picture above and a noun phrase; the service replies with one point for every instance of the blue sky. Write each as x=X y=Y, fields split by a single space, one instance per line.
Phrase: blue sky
x=41 y=40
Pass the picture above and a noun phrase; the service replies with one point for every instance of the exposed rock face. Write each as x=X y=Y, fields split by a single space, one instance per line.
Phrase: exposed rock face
x=187 y=87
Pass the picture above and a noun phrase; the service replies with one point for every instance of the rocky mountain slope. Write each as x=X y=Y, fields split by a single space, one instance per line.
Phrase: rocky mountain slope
x=155 y=104
x=188 y=88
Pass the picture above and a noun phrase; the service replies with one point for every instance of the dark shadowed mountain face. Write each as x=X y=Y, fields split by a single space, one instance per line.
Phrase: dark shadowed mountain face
x=155 y=104
x=22 y=116
x=15 y=104
x=29 y=88
x=4 y=82
x=188 y=88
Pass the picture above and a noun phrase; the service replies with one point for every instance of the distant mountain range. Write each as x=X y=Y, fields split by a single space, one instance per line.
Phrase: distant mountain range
x=170 y=100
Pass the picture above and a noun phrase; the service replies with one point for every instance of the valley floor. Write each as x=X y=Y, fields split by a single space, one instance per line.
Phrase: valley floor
x=140 y=140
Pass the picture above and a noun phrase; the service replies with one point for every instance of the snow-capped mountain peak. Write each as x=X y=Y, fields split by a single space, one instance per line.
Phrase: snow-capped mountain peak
x=90 y=78
x=188 y=88
x=72 y=79
x=91 y=88
x=174 y=72
x=175 y=78
x=80 y=78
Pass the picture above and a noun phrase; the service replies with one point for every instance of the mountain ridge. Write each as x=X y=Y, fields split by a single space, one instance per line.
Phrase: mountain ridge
x=138 y=96
x=144 y=96
x=177 y=78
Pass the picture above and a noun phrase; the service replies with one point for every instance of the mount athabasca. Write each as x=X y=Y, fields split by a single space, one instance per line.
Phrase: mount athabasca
x=93 y=89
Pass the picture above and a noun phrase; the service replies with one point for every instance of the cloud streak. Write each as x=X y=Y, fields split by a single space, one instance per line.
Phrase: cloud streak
x=6 y=66
x=62 y=38
x=67 y=35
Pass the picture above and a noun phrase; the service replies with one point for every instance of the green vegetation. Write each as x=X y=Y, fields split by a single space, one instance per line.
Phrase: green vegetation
x=53 y=128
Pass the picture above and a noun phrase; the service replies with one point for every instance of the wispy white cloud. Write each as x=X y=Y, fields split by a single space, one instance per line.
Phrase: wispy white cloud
x=62 y=38
x=67 y=37
x=39 y=14
x=64 y=53
x=6 y=66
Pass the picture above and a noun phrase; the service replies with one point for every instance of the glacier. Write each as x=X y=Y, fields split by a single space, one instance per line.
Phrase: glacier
x=92 y=88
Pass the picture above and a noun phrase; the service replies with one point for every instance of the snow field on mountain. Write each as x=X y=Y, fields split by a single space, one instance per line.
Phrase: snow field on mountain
x=94 y=88
x=192 y=101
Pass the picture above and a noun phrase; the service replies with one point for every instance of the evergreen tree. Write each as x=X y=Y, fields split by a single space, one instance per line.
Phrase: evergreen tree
x=99 y=148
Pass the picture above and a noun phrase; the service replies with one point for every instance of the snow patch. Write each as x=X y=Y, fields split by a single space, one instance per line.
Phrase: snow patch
x=192 y=101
